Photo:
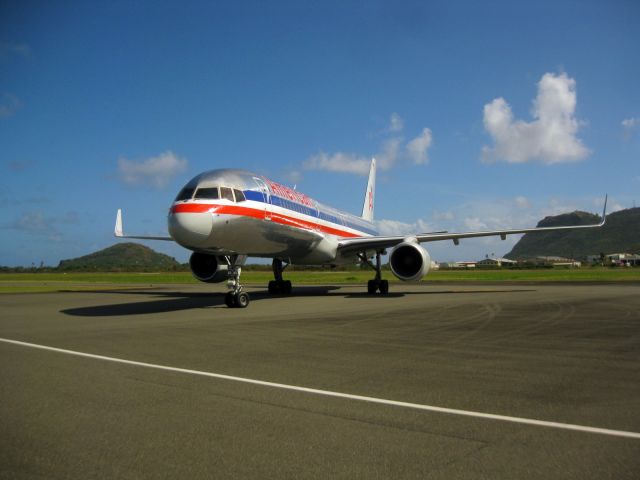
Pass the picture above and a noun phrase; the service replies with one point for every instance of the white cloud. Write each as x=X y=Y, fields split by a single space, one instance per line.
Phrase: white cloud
x=630 y=126
x=612 y=205
x=154 y=171
x=9 y=103
x=294 y=176
x=474 y=223
x=388 y=157
x=396 y=123
x=558 y=206
x=391 y=151
x=443 y=215
x=417 y=148
x=394 y=227
x=338 y=162
x=352 y=163
x=522 y=202
x=550 y=137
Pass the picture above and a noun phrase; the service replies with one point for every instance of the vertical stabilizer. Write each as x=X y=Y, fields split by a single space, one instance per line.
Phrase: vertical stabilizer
x=367 y=207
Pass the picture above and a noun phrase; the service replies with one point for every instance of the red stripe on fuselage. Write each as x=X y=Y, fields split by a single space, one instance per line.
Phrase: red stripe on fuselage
x=260 y=214
x=192 y=208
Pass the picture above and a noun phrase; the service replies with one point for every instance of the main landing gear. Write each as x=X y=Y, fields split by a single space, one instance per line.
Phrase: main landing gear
x=377 y=284
x=235 y=297
x=279 y=285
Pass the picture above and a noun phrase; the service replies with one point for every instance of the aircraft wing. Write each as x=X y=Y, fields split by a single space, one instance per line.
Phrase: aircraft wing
x=118 y=231
x=379 y=243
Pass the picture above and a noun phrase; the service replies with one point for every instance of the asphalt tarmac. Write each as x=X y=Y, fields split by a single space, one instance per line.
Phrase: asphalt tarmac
x=567 y=354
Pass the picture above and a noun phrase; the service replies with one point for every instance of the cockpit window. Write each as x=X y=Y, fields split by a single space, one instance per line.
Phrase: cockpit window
x=185 y=194
x=239 y=195
x=226 y=193
x=210 y=193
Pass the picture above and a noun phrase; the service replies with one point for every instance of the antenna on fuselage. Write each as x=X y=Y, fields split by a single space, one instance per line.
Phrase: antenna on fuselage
x=367 y=207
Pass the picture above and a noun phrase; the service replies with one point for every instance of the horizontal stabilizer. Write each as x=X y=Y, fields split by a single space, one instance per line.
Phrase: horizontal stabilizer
x=119 y=233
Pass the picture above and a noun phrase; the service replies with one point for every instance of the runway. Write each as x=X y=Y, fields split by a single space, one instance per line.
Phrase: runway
x=554 y=354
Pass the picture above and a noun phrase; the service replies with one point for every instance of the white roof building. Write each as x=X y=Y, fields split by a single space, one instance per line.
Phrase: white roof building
x=496 y=262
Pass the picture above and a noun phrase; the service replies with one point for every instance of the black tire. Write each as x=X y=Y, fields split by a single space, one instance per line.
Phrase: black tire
x=242 y=300
x=230 y=300
x=384 y=287
x=286 y=287
x=273 y=287
x=372 y=286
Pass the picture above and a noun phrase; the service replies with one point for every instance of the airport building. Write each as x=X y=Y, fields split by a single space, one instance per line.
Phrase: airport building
x=621 y=259
x=496 y=262
x=556 y=261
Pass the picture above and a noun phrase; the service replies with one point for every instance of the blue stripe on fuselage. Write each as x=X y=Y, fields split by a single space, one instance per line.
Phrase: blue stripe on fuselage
x=287 y=204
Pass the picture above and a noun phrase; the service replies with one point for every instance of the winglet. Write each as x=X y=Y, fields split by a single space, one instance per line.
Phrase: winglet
x=118 y=229
x=367 y=206
x=604 y=210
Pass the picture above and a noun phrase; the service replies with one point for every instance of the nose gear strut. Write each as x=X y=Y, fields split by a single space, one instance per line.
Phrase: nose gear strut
x=235 y=297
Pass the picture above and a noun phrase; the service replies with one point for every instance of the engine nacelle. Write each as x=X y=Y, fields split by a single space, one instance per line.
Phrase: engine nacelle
x=208 y=268
x=409 y=261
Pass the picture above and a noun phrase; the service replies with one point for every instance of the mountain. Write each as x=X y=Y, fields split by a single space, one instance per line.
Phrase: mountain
x=129 y=257
x=621 y=233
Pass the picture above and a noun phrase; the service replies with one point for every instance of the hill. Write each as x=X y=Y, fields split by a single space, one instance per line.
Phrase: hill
x=621 y=233
x=130 y=257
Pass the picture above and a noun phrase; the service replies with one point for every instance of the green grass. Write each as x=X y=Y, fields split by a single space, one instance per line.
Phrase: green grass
x=52 y=282
x=81 y=277
x=586 y=274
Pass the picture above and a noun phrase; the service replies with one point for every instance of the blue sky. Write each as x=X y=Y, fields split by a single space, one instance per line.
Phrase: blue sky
x=481 y=114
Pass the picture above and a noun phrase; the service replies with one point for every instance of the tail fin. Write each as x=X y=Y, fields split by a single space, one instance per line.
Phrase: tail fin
x=367 y=207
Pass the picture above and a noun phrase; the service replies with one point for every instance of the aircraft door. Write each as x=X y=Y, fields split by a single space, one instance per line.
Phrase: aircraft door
x=266 y=195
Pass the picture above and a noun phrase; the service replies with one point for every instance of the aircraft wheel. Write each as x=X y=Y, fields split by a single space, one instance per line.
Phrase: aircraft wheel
x=273 y=287
x=371 y=287
x=229 y=300
x=241 y=300
x=384 y=287
x=286 y=287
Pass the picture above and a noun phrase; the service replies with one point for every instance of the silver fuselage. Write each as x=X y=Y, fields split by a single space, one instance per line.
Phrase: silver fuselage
x=262 y=219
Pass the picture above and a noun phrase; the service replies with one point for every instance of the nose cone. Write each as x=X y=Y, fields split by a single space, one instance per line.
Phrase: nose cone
x=190 y=229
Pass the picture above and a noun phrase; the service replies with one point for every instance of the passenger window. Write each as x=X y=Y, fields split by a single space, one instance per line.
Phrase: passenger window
x=239 y=195
x=185 y=194
x=226 y=193
x=207 y=193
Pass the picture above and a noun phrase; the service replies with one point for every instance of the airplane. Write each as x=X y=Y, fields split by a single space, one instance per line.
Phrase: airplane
x=224 y=216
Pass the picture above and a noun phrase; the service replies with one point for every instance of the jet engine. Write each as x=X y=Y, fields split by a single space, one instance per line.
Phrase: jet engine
x=409 y=261
x=208 y=268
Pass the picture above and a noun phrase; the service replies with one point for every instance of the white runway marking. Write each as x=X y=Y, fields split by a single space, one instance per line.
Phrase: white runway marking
x=328 y=393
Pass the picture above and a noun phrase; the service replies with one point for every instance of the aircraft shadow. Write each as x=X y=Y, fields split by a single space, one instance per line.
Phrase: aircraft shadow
x=173 y=301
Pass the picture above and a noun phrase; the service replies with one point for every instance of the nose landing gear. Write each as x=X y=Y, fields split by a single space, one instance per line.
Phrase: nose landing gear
x=235 y=297
x=236 y=300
